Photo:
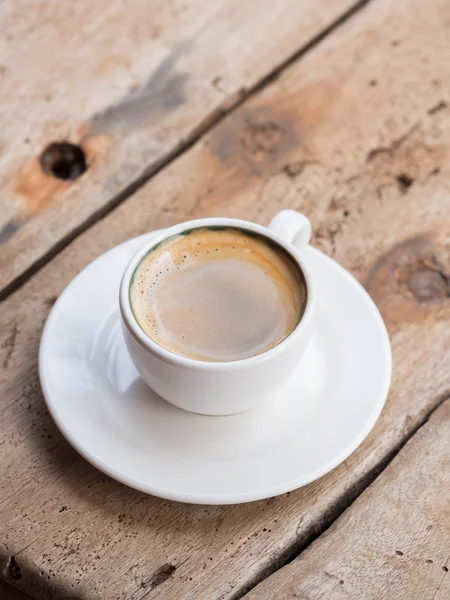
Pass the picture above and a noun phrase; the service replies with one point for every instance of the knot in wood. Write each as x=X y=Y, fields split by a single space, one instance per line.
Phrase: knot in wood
x=261 y=138
x=428 y=285
x=411 y=283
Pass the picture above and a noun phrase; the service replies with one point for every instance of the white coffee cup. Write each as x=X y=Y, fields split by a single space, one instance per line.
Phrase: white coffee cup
x=221 y=388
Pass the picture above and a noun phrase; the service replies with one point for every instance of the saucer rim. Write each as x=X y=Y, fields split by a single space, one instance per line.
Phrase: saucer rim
x=216 y=499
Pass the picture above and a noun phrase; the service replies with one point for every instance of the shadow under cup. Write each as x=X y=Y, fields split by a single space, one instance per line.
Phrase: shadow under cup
x=218 y=294
x=164 y=297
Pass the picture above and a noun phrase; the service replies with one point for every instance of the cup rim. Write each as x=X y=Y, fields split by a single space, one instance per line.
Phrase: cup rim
x=167 y=355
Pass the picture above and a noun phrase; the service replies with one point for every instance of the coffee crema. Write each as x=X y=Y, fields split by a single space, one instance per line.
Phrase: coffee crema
x=218 y=294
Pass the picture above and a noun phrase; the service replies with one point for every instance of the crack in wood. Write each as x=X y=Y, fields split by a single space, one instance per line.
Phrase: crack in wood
x=9 y=345
x=445 y=569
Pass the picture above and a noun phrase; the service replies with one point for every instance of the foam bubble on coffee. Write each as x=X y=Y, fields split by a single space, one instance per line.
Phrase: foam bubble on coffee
x=217 y=294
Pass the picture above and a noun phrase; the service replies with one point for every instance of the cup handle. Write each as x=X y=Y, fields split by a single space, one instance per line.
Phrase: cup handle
x=293 y=227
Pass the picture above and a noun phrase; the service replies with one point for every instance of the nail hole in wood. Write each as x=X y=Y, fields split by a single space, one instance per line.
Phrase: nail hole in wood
x=63 y=160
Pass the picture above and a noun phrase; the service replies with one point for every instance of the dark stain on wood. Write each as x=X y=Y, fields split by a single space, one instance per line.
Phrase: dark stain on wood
x=262 y=137
x=254 y=141
x=37 y=189
x=411 y=282
x=8 y=230
x=163 y=93
x=161 y=575
x=428 y=284
x=257 y=141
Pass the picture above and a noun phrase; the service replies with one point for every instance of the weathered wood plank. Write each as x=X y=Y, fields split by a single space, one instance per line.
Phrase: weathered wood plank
x=339 y=136
x=394 y=542
x=130 y=83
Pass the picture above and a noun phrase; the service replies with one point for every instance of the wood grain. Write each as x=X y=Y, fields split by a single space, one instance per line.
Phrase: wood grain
x=337 y=136
x=130 y=84
x=394 y=542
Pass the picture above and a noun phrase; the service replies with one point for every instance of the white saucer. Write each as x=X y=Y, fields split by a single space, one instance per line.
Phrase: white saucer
x=118 y=424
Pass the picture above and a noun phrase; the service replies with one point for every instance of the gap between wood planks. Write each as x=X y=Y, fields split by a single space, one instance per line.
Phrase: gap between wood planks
x=348 y=498
x=209 y=123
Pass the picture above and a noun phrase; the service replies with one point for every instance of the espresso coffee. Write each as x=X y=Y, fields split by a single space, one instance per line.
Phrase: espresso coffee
x=218 y=294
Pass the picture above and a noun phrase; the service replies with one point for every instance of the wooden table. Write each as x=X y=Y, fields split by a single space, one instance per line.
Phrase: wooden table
x=176 y=109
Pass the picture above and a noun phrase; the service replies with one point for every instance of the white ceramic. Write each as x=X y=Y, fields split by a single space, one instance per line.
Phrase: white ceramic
x=116 y=422
x=221 y=388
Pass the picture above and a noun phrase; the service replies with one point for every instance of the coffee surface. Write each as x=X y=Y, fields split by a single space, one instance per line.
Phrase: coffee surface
x=217 y=294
